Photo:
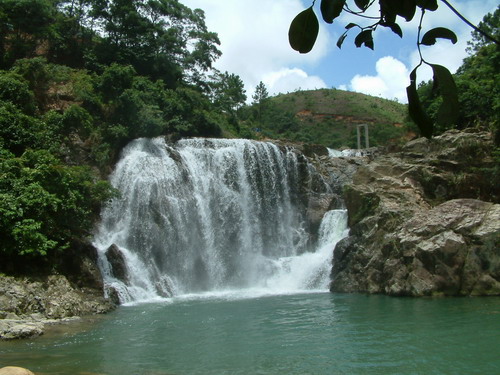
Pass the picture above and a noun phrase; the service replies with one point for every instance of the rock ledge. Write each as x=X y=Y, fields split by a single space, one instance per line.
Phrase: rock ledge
x=415 y=228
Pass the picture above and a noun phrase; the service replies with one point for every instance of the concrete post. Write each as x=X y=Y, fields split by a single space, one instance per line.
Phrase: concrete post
x=367 y=142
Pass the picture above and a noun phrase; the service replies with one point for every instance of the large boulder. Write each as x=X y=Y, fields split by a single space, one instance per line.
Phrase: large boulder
x=53 y=297
x=12 y=329
x=27 y=305
x=117 y=262
x=412 y=232
x=12 y=370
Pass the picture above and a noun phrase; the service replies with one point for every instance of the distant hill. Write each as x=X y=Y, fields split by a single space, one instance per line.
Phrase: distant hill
x=329 y=117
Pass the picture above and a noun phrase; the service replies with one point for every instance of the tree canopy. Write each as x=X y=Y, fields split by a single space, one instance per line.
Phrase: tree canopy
x=161 y=39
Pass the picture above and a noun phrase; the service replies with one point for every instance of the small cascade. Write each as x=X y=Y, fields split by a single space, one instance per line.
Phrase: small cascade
x=207 y=215
x=311 y=270
x=348 y=153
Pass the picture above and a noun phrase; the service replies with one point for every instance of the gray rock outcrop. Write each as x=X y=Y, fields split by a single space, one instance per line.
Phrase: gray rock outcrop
x=416 y=227
x=27 y=305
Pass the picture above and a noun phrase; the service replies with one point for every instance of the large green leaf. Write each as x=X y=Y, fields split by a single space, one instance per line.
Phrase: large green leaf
x=364 y=37
x=341 y=40
x=391 y=8
x=394 y=27
x=406 y=9
x=431 y=5
x=430 y=36
x=415 y=109
x=303 y=31
x=449 y=110
x=331 y=9
x=388 y=11
x=362 y=4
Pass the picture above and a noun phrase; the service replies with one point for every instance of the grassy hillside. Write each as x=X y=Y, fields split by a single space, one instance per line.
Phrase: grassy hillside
x=328 y=117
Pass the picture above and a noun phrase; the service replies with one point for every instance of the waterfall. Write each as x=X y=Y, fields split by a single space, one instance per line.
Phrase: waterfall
x=210 y=215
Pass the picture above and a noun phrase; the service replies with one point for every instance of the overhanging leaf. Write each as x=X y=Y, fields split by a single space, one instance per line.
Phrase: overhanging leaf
x=364 y=37
x=449 y=110
x=431 y=5
x=350 y=25
x=394 y=27
x=388 y=11
x=362 y=4
x=415 y=110
x=406 y=9
x=430 y=36
x=303 y=31
x=341 y=40
x=331 y=9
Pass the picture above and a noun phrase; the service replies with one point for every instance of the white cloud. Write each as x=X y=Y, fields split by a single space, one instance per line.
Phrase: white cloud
x=391 y=76
x=390 y=82
x=288 y=80
x=254 y=41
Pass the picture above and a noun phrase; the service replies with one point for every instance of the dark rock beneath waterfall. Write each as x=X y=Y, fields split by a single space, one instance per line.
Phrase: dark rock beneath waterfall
x=311 y=150
x=117 y=262
x=79 y=264
x=412 y=233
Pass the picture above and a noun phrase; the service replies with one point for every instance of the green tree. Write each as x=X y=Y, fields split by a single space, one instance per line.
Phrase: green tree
x=490 y=25
x=260 y=99
x=15 y=89
x=187 y=112
x=19 y=132
x=162 y=39
x=229 y=92
x=24 y=24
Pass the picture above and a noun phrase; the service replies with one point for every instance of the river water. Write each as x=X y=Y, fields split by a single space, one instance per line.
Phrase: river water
x=244 y=333
x=221 y=272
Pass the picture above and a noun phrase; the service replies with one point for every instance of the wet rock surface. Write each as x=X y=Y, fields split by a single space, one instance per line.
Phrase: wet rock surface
x=26 y=305
x=416 y=227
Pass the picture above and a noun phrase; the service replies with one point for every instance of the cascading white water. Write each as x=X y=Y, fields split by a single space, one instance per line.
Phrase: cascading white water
x=209 y=215
x=349 y=153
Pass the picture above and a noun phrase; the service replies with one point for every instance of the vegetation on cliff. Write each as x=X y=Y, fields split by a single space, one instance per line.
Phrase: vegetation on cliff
x=328 y=117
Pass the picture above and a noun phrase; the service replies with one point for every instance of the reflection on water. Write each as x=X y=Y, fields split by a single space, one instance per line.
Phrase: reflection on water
x=290 y=334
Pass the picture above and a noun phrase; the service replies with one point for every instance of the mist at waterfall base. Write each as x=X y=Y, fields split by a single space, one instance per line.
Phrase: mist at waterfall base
x=212 y=217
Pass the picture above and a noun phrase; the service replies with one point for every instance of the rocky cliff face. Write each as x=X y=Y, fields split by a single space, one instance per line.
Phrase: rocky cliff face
x=27 y=305
x=417 y=228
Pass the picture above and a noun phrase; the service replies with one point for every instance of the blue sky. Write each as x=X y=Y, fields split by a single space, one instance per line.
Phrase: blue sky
x=254 y=43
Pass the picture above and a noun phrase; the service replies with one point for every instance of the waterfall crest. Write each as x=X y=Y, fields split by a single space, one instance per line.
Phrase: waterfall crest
x=209 y=215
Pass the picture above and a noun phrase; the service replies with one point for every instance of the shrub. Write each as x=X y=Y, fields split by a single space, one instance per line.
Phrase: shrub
x=14 y=89
x=44 y=204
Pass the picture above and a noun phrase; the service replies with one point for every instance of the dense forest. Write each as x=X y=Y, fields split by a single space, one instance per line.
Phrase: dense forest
x=79 y=79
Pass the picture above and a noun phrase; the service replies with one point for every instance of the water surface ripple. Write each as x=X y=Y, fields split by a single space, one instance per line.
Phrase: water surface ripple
x=316 y=333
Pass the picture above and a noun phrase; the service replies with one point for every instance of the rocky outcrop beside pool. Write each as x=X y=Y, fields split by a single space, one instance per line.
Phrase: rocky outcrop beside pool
x=28 y=305
x=421 y=223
